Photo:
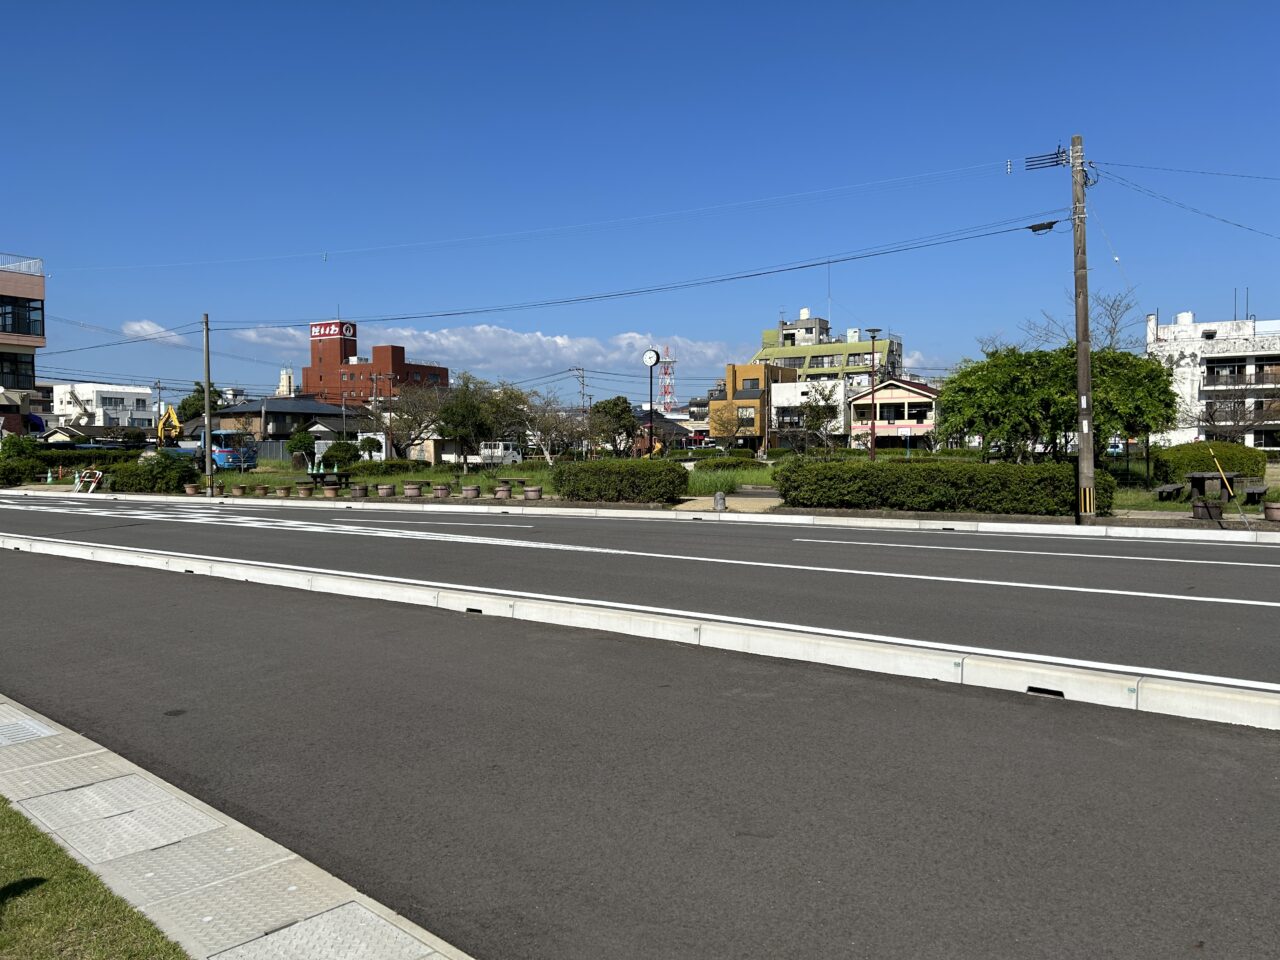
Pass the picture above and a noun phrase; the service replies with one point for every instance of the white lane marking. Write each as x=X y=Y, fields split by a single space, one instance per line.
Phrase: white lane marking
x=301 y=526
x=1040 y=553
x=436 y=523
x=789 y=627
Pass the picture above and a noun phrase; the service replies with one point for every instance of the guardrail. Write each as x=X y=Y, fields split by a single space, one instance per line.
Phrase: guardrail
x=16 y=263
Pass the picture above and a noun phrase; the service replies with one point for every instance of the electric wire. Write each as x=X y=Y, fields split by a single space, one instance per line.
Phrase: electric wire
x=1139 y=188
x=1203 y=173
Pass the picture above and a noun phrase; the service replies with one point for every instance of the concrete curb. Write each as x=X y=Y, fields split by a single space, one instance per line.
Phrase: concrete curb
x=519 y=508
x=1222 y=699
x=211 y=884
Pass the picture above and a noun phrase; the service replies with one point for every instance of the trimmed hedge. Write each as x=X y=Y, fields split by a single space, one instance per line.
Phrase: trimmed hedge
x=742 y=453
x=85 y=458
x=621 y=481
x=16 y=470
x=1043 y=489
x=723 y=463
x=386 y=468
x=158 y=474
x=1172 y=464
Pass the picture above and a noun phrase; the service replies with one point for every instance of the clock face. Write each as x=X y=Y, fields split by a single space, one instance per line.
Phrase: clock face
x=650 y=358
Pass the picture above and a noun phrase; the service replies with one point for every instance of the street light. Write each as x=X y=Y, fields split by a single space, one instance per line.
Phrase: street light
x=873 y=332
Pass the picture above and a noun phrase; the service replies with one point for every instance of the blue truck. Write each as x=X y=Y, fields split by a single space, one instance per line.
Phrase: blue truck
x=232 y=450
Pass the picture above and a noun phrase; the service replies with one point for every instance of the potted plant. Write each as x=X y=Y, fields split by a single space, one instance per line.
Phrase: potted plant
x=1202 y=509
x=238 y=489
x=1271 y=504
x=359 y=490
x=284 y=490
x=441 y=491
x=502 y=491
x=471 y=492
x=306 y=489
x=261 y=489
x=331 y=491
x=533 y=493
x=412 y=488
x=386 y=489
x=191 y=489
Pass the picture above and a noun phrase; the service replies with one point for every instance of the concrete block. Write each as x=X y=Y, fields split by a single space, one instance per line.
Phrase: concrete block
x=1089 y=686
x=1206 y=701
x=353 y=585
x=464 y=601
x=632 y=623
x=875 y=656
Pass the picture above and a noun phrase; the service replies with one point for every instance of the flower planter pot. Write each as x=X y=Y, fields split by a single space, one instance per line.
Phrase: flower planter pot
x=1206 y=510
x=441 y=491
x=502 y=493
x=191 y=489
x=533 y=493
x=386 y=489
x=283 y=491
x=306 y=489
x=413 y=489
x=261 y=489
x=1271 y=511
x=359 y=490
x=238 y=490
x=470 y=493
x=331 y=492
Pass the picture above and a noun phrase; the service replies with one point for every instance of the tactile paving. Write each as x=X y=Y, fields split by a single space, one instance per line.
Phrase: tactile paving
x=105 y=799
x=348 y=932
x=145 y=828
x=152 y=875
x=246 y=907
x=62 y=775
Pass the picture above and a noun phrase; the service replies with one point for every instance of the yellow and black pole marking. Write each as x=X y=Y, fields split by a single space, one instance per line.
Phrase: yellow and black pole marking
x=1086 y=501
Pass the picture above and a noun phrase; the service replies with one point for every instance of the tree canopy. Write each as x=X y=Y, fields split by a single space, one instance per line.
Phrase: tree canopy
x=192 y=405
x=613 y=422
x=1023 y=403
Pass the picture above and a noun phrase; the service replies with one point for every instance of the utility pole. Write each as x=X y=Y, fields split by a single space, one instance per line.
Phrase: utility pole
x=1085 y=506
x=208 y=416
x=873 y=332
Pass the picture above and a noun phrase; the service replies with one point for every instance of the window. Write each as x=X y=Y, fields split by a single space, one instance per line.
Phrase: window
x=18 y=371
x=753 y=383
x=746 y=415
x=22 y=316
x=919 y=412
x=862 y=412
x=112 y=403
x=141 y=403
x=792 y=362
x=892 y=412
x=825 y=360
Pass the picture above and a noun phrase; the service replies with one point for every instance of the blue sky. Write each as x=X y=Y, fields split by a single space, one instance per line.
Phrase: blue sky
x=297 y=160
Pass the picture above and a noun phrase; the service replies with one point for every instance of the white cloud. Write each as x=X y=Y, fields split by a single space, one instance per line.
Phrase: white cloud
x=926 y=365
x=153 y=330
x=497 y=352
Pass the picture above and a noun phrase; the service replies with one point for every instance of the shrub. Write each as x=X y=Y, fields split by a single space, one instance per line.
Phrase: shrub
x=1272 y=495
x=157 y=474
x=723 y=463
x=71 y=459
x=1172 y=464
x=16 y=470
x=341 y=453
x=387 y=468
x=18 y=447
x=742 y=453
x=1047 y=489
x=628 y=481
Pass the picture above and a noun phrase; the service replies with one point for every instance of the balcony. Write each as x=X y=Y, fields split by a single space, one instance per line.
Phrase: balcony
x=16 y=263
x=1269 y=378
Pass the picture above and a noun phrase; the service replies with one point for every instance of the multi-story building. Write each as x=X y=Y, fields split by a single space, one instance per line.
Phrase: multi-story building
x=21 y=320
x=1226 y=375
x=905 y=411
x=103 y=405
x=739 y=406
x=808 y=347
x=788 y=403
x=338 y=375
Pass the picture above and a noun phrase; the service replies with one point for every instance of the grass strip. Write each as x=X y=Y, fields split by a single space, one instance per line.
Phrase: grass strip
x=54 y=908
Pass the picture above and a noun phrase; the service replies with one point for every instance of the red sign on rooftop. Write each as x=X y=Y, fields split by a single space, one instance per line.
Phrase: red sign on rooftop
x=332 y=328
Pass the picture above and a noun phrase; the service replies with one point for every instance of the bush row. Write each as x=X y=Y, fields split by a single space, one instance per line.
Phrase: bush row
x=154 y=475
x=1172 y=464
x=83 y=458
x=16 y=470
x=385 y=468
x=622 y=481
x=1045 y=489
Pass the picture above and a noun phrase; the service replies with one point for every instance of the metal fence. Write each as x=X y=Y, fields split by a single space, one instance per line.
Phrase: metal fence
x=272 y=450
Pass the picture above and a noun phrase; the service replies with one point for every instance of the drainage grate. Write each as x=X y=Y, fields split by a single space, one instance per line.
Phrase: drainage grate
x=1046 y=692
x=17 y=727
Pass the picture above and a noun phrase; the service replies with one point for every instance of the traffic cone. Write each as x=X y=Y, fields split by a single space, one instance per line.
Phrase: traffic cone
x=48 y=478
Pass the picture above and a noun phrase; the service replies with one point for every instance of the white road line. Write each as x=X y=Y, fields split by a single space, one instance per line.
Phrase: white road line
x=435 y=523
x=313 y=527
x=1040 y=553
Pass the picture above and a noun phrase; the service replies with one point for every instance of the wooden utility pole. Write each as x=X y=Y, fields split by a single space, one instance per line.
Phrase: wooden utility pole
x=1085 y=505
x=208 y=416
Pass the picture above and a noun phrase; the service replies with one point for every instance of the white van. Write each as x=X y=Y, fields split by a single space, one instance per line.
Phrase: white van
x=500 y=453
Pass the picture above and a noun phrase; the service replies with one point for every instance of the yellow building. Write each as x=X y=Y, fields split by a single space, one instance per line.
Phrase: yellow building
x=739 y=407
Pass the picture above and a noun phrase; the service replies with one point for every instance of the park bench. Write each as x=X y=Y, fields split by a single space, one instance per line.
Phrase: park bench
x=1255 y=492
x=1170 y=491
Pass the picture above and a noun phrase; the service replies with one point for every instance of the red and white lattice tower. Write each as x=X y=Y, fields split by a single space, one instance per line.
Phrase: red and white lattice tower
x=667 y=382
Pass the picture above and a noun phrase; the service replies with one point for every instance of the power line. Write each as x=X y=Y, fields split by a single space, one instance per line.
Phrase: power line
x=1203 y=173
x=1139 y=188
x=937 y=176
x=175 y=343
x=146 y=338
x=920 y=243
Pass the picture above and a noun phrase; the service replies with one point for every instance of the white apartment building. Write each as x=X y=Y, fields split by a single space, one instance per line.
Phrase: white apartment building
x=1226 y=374
x=103 y=405
x=786 y=402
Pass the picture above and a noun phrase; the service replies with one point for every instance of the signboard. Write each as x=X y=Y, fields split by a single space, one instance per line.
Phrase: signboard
x=333 y=328
x=904 y=432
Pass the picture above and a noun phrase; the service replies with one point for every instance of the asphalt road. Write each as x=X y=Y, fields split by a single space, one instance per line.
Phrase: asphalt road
x=1196 y=607
x=533 y=792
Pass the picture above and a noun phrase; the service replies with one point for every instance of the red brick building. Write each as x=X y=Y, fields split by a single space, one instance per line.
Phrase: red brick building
x=336 y=373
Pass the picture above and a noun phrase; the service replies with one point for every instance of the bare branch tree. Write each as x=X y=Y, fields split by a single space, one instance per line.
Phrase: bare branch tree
x=1111 y=324
x=413 y=416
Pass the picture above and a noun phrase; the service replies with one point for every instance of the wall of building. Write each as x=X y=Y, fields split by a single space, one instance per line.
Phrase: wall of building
x=787 y=399
x=112 y=405
x=21 y=320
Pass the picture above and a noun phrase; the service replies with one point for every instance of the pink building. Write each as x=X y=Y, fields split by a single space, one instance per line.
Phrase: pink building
x=905 y=410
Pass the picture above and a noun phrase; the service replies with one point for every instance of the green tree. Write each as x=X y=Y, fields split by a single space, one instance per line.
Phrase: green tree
x=17 y=447
x=341 y=454
x=614 y=423
x=301 y=441
x=466 y=416
x=369 y=446
x=192 y=405
x=1022 y=404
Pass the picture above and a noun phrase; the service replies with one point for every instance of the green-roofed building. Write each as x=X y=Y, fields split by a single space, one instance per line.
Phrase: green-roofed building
x=807 y=346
